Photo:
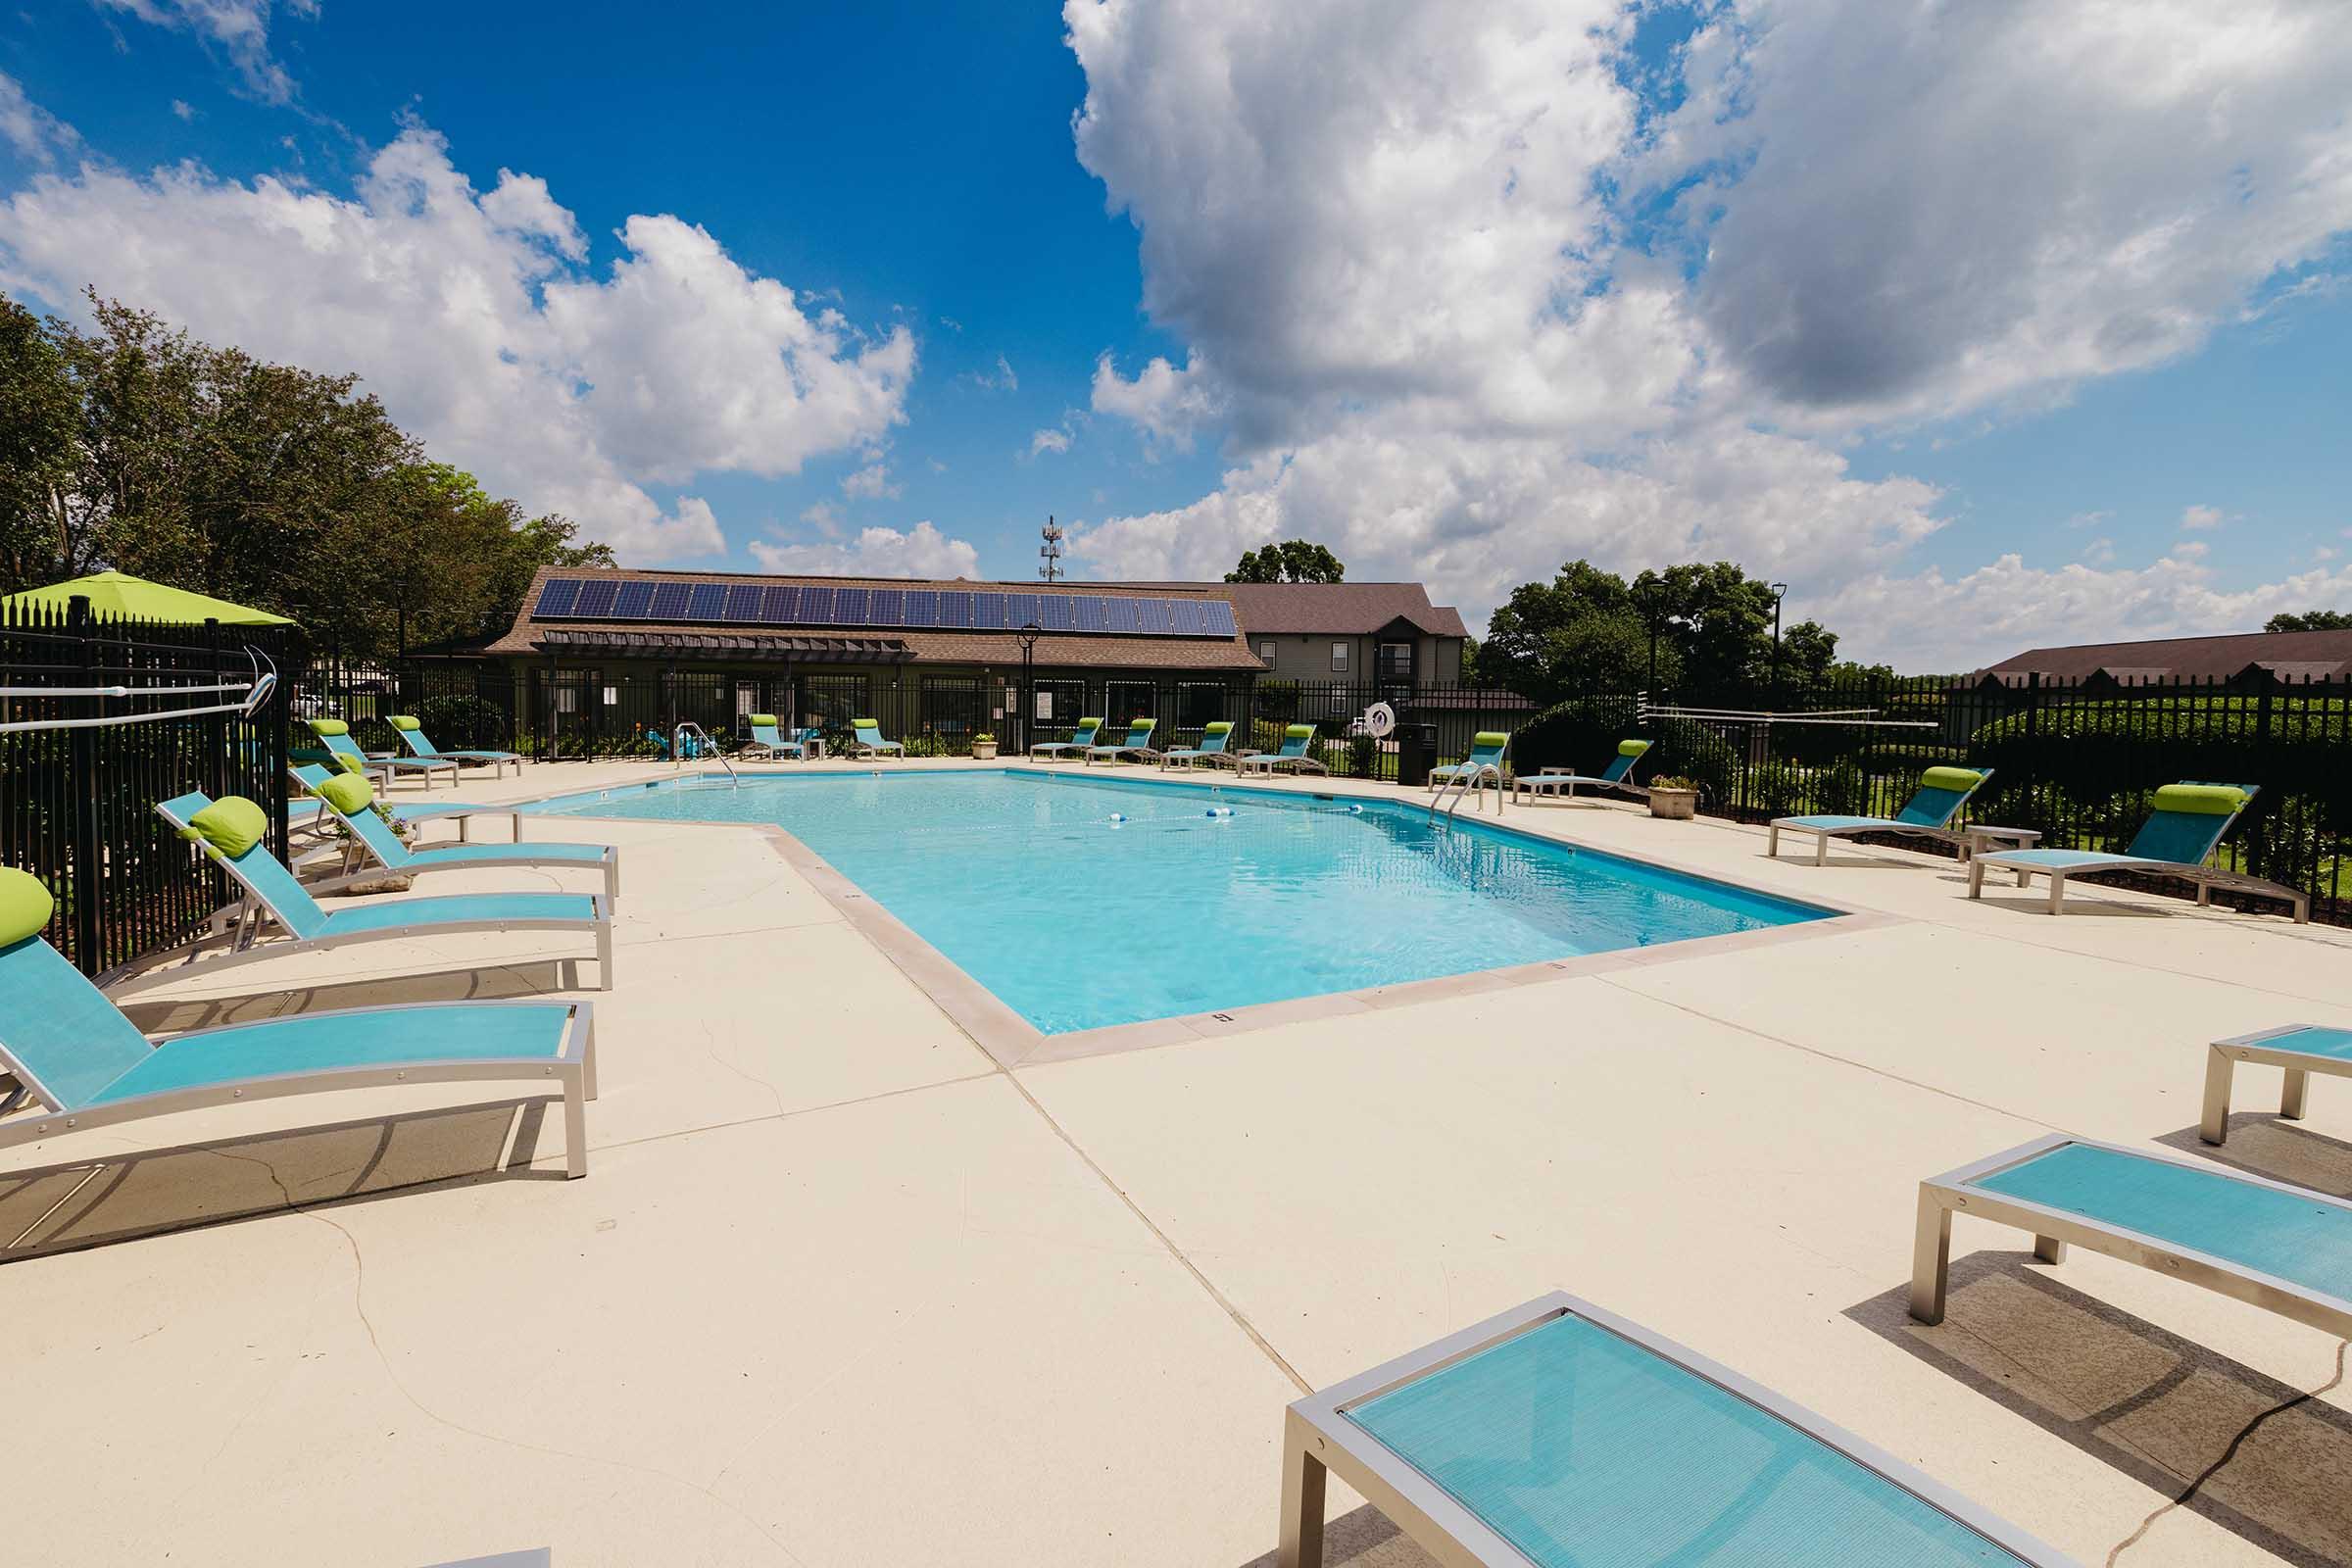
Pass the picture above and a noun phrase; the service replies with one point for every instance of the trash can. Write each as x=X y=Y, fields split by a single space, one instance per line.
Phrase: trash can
x=1416 y=753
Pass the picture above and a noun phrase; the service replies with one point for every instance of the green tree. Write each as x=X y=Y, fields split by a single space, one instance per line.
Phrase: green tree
x=39 y=413
x=2311 y=620
x=1291 y=561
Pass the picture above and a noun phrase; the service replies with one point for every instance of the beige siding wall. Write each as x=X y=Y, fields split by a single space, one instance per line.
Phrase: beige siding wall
x=1293 y=656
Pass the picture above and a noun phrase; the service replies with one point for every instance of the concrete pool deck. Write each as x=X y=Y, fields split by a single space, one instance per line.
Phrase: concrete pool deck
x=842 y=1288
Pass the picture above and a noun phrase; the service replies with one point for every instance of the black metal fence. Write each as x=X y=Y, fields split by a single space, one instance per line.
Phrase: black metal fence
x=2077 y=761
x=78 y=804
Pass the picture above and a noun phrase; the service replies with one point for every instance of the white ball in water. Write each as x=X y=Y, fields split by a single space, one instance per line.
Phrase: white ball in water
x=1118 y=816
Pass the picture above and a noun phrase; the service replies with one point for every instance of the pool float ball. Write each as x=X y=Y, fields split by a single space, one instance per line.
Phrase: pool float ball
x=1118 y=816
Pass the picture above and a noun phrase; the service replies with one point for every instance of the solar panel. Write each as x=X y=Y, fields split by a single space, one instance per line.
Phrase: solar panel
x=1188 y=617
x=989 y=612
x=886 y=606
x=1220 y=617
x=1151 y=615
x=557 y=597
x=848 y=606
x=781 y=606
x=1093 y=613
x=955 y=609
x=816 y=607
x=958 y=610
x=708 y=602
x=923 y=608
x=1121 y=615
x=633 y=599
x=1056 y=612
x=596 y=598
x=670 y=602
x=743 y=602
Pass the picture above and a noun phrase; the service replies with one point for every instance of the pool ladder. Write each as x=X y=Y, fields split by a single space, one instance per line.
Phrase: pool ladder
x=677 y=750
x=1462 y=784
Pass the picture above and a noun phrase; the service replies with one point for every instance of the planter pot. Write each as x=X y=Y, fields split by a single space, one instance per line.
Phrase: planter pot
x=984 y=751
x=1677 y=806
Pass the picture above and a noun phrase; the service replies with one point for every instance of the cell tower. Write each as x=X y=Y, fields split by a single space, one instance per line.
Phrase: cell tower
x=1050 y=552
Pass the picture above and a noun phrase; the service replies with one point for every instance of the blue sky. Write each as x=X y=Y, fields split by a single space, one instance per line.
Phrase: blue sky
x=1669 y=309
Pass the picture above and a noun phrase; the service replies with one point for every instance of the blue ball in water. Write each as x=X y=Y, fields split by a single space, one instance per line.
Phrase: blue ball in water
x=1118 y=816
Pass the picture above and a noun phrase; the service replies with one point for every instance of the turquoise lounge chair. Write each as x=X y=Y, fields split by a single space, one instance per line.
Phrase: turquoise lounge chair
x=70 y=1049
x=353 y=803
x=2287 y=1249
x=1485 y=762
x=2301 y=1049
x=1296 y=739
x=412 y=735
x=769 y=741
x=307 y=810
x=1088 y=728
x=1211 y=748
x=1138 y=742
x=1557 y=1433
x=2177 y=840
x=335 y=736
x=870 y=740
x=1927 y=814
x=230 y=833
x=1618 y=775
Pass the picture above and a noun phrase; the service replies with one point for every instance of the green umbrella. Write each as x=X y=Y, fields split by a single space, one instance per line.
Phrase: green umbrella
x=115 y=593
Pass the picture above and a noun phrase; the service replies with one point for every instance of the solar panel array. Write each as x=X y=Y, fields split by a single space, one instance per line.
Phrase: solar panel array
x=750 y=603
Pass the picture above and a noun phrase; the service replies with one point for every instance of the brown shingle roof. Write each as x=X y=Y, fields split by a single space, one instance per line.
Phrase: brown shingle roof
x=2296 y=655
x=1094 y=650
x=1334 y=608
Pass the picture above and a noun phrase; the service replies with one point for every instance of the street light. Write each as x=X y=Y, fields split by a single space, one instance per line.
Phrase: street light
x=1028 y=635
x=1779 y=591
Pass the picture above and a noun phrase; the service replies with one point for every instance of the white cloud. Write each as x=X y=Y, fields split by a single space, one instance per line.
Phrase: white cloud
x=1003 y=379
x=240 y=29
x=1434 y=335
x=37 y=134
x=870 y=482
x=473 y=316
x=2192 y=550
x=2194 y=517
x=824 y=516
x=920 y=552
x=1051 y=439
x=182 y=109
x=2087 y=519
x=2099 y=553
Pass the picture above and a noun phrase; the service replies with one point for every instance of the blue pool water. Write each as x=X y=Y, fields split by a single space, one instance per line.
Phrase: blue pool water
x=1075 y=921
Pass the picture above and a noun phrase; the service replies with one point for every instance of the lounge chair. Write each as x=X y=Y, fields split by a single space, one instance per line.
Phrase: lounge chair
x=412 y=735
x=335 y=736
x=230 y=833
x=1485 y=762
x=1211 y=748
x=870 y=740
x=1618 y=775
x=2281 y=1247
x=1076 y=745
x=1296 y=739
x=71 y=1050
x=1557 y=1433
x=1927 y=814
x=2302 y=1048
x=2180 y=835
x=353 y=804
x=310 y=811
x=1137 y=744
x=769 y=741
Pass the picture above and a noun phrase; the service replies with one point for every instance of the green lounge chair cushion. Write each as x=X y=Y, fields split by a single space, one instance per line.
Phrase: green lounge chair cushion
x=328 y=726
x=1632 y=748
x=348 y=793
x=1221 y=727
x=1144 y=726
x=1488 y=737
x=2201 y=800
x=863 y=724
x=231 y=826
x=768 y=719
x=1090 y=724
x=24 y=905
x=356 y=767
x=1298 y=732
x=1962 y=780
x=405 y=721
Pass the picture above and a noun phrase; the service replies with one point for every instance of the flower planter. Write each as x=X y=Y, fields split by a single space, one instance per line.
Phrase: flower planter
x=984 y=751
x=1675 y=806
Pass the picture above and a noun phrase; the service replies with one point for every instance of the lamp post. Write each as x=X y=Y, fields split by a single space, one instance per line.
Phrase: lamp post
x=1028 y=635
x=1779 y=591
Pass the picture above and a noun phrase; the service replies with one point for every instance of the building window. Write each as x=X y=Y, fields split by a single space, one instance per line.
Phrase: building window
x=830 y=701
x=1396 y=661
x=1266 y=648
x=1339 y=658
x=1125 y=701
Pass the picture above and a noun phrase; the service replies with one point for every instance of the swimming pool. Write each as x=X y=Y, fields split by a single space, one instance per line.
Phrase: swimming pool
x=1083 y=903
